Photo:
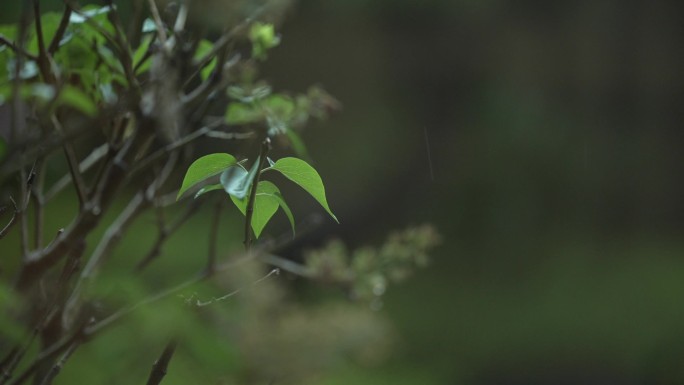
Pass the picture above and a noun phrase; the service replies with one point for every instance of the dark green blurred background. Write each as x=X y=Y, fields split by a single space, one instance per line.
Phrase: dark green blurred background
x=543 y=139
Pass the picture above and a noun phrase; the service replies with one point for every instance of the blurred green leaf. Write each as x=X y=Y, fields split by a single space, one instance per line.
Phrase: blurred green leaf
x=203 y=49
x=306 y=177
x=240 y=113
x=139 y=54
x=77 y=99
x=297 y=144
x=263 y=38
x=205 y=167
x=39 y=92
x=237 y=181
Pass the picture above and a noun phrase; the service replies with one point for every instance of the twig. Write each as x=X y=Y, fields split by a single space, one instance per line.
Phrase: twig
x=287 y=265
x=199 y=303
x=72 y=162
x=111 y=237
x=57 y=367
x=90 y=215
x=61 y=29
x=249 y=211
x=42 y=322
x=161 y=32
x=43 y=61
x=164 y=234
x=84 y=166
x=160 y=366
x=16 y=48
x=146 y=162
x=12 y=220
x=26 y=182
x=38 y=202
x=222 y=42
x=126 y=58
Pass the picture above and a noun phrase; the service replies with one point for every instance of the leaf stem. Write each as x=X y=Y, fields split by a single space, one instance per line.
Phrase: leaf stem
x=249 y=212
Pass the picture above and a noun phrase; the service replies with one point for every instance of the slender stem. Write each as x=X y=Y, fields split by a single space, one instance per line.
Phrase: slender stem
x=149 y=160
x=84 y=166
x=126 y=58
x=12 y=220
x=160 y=366
x=57 y=367
x=72 y=162
x=38 y=203
x=61 y=29
x=164 y=233
x=43 y=61
x=161 y=31
x=249 y=212
x=23 y=221
x=14 y=47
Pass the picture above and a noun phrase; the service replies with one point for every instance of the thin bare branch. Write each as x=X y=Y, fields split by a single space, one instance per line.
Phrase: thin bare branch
x=43 y=61
x=12 y=220
x=57 y=367
x=14 y=47
x=110 y=239
x=72 y=162
x=25 y=186
x=200 y=303
x=61 y=29
x=222 y=42
x=150 y=159
x=161 y=31
x=286 y=264
x=163 y=235
x=160 y=366
x=95 y=156
x=38 y=203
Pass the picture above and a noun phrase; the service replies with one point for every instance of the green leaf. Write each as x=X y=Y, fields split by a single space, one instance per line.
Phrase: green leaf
x=77 y=99
x=203 y=49
x=208 y=188
x=297 y=144
x=237 y=181
x=286 y=209
x=205 y=167
x=306 y=177
x=139 y=55
x=265 y=205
